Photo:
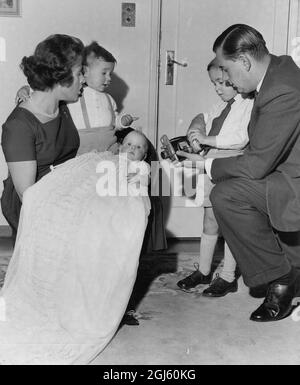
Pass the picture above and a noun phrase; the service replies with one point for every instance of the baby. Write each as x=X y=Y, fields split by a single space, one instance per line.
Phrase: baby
x=129 y=167
x=135 y=148
x=135 y=145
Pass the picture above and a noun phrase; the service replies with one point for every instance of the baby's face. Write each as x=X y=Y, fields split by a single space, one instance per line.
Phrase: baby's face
x=97 y=74
x=135 y=146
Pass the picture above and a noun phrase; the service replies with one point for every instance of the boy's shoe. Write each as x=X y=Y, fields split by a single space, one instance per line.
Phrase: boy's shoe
x=129 y=318
x=219 y=287
x=196 y=278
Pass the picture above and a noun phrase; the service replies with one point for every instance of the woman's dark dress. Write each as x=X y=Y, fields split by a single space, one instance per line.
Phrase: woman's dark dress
x=25 y=138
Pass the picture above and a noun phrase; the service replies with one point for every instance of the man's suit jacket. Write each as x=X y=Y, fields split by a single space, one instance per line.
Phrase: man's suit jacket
x=273 y=152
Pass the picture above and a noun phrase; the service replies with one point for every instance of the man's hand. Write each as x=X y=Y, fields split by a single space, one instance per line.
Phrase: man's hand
x=190 y=156
x=192 y=161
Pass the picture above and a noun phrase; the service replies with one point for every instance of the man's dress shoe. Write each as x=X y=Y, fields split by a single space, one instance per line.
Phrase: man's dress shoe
x=277 y=304
x=259 y=291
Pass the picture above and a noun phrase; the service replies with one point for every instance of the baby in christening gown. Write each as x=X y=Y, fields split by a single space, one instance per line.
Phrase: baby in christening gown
x=130 y=176
x=75 y=260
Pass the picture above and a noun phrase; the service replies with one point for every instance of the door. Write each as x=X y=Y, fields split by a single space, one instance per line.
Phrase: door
x=188 y=29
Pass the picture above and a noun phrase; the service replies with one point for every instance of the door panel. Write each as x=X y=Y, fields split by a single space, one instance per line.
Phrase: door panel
x=189 y=28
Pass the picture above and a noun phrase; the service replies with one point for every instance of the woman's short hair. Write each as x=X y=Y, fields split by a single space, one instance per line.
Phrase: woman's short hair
x=52 y=62
x=241 y=38
x=95 y=51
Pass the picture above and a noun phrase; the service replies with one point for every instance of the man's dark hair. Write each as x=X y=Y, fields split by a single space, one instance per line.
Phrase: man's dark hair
x=239 y=39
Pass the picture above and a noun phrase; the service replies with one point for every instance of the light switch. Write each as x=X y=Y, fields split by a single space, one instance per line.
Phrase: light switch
x=2 y=49
x=128 y=14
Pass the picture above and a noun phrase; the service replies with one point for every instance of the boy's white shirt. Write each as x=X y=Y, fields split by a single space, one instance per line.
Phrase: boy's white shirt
x=101 y=110
x=234 y=132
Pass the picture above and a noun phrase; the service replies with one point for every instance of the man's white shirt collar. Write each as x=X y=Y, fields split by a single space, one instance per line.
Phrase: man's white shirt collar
x=261 y=82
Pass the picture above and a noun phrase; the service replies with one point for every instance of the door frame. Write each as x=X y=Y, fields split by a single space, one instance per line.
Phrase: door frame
x=154 y=72
x=294 y=27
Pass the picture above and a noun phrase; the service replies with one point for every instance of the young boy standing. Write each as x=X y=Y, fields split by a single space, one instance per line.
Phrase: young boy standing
x=96 y=110
x=224 y=133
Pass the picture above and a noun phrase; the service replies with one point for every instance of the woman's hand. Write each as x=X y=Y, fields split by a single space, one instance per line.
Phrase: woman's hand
x=191 y=161
x=23 y=94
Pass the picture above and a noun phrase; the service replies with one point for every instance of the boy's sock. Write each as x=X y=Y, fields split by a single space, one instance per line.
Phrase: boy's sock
x=207 y=248
x=228 y=271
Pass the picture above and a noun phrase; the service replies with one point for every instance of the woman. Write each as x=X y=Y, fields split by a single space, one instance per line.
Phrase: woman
x=76 y=253
x=95 y=138
x=40 y=132
x=98 y=62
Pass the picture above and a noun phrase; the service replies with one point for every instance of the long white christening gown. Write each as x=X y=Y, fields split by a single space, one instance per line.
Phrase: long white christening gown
x=73 y=267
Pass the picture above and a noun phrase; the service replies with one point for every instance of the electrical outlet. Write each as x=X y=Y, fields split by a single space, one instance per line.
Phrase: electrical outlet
x=128 y=14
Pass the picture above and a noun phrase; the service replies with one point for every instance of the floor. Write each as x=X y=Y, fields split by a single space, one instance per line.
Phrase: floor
x=179 y=328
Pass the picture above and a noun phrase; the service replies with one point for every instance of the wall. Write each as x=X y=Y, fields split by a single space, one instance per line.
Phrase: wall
x=89 y=20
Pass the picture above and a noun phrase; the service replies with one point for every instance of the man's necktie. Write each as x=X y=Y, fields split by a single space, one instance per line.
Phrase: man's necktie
x=217 y=124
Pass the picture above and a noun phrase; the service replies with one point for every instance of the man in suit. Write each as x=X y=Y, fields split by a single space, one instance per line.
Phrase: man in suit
x=256 y=199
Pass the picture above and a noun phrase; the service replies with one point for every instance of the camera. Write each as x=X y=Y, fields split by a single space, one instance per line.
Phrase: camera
x=170 y=146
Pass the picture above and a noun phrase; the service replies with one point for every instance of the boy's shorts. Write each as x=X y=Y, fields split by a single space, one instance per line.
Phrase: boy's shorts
x=203 y=190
